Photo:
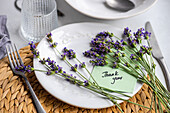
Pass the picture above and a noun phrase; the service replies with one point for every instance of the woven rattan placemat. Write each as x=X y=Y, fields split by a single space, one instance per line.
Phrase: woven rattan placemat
x=15 y=96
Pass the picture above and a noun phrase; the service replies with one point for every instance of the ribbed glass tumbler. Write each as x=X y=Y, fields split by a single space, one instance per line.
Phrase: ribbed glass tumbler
x=38 y=18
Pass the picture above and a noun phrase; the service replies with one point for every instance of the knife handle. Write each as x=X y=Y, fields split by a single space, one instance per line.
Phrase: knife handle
x=165 y=72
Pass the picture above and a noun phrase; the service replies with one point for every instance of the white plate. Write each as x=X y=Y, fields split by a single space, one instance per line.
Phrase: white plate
x=97 y=9
x=77 y=37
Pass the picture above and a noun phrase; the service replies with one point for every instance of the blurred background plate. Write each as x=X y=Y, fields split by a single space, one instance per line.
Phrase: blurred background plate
x=97 y=8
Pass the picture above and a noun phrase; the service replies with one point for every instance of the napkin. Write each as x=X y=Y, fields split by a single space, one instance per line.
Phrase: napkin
x=4 y=36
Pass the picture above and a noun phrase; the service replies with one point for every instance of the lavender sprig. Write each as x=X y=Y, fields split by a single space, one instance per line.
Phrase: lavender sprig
x=95 y=54
x=22 y=68
x=71 y=55
x=104 y=45
x=135 y=56
x=33 y=49
x=51 y=64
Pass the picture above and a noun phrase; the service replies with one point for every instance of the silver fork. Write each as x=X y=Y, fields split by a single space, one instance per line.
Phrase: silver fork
x=17 y=63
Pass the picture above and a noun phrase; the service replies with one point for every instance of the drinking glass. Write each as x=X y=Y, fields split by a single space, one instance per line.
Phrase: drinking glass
x=38 y=18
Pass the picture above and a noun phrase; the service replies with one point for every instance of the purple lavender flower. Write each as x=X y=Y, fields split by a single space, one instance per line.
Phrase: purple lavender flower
x=28 y=68
x=133 y=43
x=69 y=53
x=133 y=57
x=147 y=35
x=123 y=42
x=117 y=54
x=87 y=53
x=49 y=38
x=115 y=65
x=60 y=69
x=49 y=34
x=56 y=72
x=127 y=32
x=139 y=34
x=104 y=34
x=101 y=45
x=82 y=65
x=74 y=68
x=52 y=65
x=63 y=57
x=72 y=79
x=127 y=64
x=49 y=72
x=99 y=62
x=54 y=44
x=119 y=45
x=144 y=49
x=21 y=68
x=42 y=61
x=86 y=83
x=33 y=49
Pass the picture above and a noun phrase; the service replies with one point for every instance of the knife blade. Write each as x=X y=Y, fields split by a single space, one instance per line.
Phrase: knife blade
x=157 y=54
x=155 y=47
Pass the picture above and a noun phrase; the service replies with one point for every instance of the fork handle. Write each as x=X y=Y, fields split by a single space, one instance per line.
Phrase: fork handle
x=37 y=103
x=165 y=72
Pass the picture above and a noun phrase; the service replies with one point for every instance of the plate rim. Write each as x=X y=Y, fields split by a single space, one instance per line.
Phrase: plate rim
x=96 y=23
x=112 y=18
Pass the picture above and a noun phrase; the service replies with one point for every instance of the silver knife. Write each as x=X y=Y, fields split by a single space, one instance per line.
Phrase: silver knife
x=157 y=54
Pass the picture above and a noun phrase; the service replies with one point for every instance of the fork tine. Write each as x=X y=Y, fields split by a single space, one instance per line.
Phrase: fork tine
x=12 y=56
x=10 y=61
x=19 y=55
x=15 y=55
